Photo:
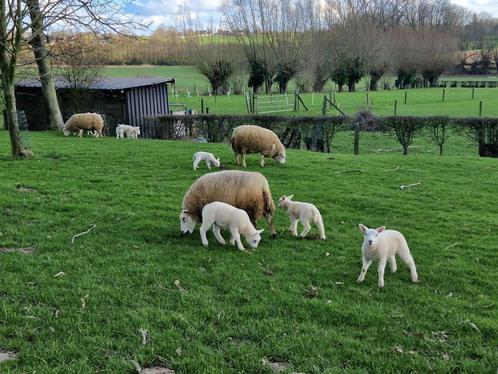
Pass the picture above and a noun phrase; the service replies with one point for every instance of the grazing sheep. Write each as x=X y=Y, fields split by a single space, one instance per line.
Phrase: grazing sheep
x=305 y=212
x=221 y=215
x=130 y=131
x=80 y=122
x=206 y=156
x=241 y=189
x=255 y=139
x=381 y=244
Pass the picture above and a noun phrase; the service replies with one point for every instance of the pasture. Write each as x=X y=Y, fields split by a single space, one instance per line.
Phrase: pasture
x=80 y=308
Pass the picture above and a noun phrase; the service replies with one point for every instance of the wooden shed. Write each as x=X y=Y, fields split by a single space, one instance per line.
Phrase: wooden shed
x=120 y=100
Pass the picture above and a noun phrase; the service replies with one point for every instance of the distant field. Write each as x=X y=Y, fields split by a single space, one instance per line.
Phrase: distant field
x=458 y=101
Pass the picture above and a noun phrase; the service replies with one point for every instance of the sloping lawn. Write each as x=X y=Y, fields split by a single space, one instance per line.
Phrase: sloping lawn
x=79 y=308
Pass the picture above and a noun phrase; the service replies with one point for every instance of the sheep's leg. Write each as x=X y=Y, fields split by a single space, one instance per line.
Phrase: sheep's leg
x=244 y=160
x=203 y=230
x=321 y=228
x=208 y=164
x=237 y=159
x=262 y=160
x=392 y=263
x=364 y=269
x=269 y=219
x=80 y=134
x=408 y=259
x=382 y=268
x=196 y=163
x=306 y=229
x=217 y=234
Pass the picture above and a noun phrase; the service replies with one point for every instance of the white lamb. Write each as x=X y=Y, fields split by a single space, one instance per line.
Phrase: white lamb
x=207 y=157
x=304 y=212
x=130 y=131
x=381 y=244
x=221 y=215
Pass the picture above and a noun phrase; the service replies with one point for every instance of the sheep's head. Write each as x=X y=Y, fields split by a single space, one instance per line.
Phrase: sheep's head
x=370 y=235
x=187 y=222
x=282 y=202
x=66 y=132
x=254 y=239
x=279 y=156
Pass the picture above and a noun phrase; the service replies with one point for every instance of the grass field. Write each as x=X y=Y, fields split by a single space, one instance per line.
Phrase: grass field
x=458 y=101
x=235 y=309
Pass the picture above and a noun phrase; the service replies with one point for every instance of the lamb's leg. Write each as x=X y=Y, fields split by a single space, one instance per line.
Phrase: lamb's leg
x=196 y=163
x=364 y=269
x=244 y=160
x=382 y=268
x=408 y=259
x=236 y=238
x=321 y=228
x=392 y=263
x=306 y=229
x=217 y=234
x=262 y=160
x=203 y=230
x=208 y=164
x=293 y=226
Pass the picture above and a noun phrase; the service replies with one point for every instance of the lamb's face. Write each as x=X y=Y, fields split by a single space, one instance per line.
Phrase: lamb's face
x=282 y=202
x=187 y=223
x=216 y=162
x=370 y=236
x=280 y=157
x=254 y=239
x=137 y=130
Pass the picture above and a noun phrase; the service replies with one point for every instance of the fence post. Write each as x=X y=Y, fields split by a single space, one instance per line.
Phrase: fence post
x=406 y=96
x=444 y=93
x=207 y=110
x=480 y=108
x=356 y=143
x=202 y=106
x=367 y=98
x=334 y=99
x=395 y=108
x=324 y=106
x=473 y=91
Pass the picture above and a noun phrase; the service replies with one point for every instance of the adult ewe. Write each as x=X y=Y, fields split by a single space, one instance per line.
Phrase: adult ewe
x=244 y=190
x=255 y=139
x=78 y=123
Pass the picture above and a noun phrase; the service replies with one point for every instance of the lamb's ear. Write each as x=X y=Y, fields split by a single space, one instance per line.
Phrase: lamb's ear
x=260 y=231
x=381 y=229
x=290 y=197
x=363 y=228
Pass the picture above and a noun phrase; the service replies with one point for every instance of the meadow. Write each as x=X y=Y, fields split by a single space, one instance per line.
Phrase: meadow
x=457 y=101
x=133 y=289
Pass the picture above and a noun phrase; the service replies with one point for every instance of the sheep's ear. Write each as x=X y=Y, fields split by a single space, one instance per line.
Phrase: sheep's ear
x=363 y=228
x=272 y=147
x=260 y=231
x=381 y=229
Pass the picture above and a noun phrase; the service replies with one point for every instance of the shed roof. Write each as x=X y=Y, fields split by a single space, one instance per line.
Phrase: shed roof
x=103 y=83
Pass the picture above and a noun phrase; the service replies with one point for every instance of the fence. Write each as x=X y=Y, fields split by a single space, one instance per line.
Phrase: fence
x=274 y=103
x=317 y=133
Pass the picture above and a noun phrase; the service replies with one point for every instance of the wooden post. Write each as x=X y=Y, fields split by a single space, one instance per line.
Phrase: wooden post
x=202 y=106
x=480 y=108
x=334 y=99
x=444 y=93
x=406 y=96
x=207 y=110
x=356 y=144
x=367 y=98
x=473 y=92
x=395 y=108
x=324 y=106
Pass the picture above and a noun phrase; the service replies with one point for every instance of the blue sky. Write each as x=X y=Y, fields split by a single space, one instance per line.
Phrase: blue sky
x=162 y=12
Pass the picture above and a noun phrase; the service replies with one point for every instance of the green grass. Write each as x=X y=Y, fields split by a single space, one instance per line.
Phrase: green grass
x=235 y=312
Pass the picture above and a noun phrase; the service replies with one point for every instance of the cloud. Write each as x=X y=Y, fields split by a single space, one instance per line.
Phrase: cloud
x=488 y=6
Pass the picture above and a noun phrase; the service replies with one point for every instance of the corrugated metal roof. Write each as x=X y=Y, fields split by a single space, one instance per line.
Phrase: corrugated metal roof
x=103 y=83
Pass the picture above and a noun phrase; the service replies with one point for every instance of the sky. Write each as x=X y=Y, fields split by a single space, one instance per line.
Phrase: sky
x=163 y=12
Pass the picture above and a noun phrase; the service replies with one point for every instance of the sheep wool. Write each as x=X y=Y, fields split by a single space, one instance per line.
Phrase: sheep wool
x=80 y=122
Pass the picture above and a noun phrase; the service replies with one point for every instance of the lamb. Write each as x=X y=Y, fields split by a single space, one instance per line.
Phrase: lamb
x=130 y=131
x=207 y=157
x=221 y=215
x=244 y=190
x=255 y=139
x=80 y=122
x=304 y=212
x=381 y=244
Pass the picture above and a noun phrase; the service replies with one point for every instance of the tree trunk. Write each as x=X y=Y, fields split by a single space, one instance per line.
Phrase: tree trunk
x=52 y=110
x=12 y=123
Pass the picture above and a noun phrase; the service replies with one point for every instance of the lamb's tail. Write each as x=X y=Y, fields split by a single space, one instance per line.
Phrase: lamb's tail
x=319 y=222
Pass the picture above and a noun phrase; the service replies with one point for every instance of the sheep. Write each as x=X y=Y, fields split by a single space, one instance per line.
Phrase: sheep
x=206 y=156
x=244 y=190
x=80 y=122
x=305 y=212
x=255 y=139
x=130 y=131
x=381 y=244
x=221 y=215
